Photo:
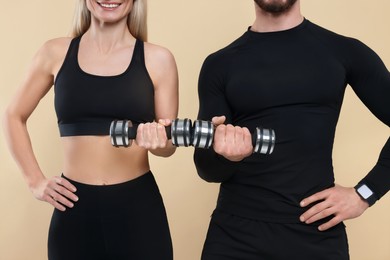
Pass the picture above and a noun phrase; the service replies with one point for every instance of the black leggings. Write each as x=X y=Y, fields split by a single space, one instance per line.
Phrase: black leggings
x=119 y=222
x=232 y=237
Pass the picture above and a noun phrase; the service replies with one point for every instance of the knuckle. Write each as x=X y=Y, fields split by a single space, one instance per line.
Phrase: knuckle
x=45 y=198
x=59 y=189
x=230 y=127
x=217 y=149
x=59 y=181
x=337 y=219
x=220 y=128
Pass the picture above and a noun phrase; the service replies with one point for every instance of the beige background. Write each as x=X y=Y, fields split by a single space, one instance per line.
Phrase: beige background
x=191 y=30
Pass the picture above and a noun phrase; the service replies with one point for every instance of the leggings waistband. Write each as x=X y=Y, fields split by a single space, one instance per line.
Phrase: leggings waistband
x=120 y=198
x=134 y=181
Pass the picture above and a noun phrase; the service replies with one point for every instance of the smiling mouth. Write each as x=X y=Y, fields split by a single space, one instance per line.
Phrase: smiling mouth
x=109 y=5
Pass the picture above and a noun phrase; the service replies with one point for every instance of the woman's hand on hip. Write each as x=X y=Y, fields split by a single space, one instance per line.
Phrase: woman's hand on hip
x=56 y=190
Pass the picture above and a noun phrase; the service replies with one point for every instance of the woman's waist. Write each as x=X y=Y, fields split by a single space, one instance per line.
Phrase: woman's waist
x=93 y=160
x=100 y=177
x=119 y=199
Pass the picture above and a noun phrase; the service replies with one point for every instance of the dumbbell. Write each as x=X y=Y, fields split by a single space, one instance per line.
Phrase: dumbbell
x=183 y=133
x=263 y=139
x=123 y=132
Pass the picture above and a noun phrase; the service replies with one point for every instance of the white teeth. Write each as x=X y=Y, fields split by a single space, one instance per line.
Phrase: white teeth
x=109 y=5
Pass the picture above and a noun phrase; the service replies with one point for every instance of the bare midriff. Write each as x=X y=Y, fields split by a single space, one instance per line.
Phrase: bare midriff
x=93 y=160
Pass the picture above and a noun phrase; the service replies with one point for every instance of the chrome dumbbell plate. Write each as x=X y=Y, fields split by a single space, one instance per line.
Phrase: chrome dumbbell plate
x=181 y=132
x=203 y=134
x=265 y=141
x=119 y=133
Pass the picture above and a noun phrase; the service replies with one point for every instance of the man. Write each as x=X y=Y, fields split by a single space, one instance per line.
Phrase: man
x=288 y=74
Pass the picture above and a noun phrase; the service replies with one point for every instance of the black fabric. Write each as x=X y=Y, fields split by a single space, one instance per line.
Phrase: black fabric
x=113 y=222
x=292 y=81
x=86 y=104
x=232 y=237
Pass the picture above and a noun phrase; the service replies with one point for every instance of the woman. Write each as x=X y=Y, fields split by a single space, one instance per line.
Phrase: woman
x=107 y=204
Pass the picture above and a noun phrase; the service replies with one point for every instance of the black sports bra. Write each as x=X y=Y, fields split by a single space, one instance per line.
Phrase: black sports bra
x=86 y=104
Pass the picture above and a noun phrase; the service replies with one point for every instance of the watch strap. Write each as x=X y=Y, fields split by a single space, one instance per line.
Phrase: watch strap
x=362 y=189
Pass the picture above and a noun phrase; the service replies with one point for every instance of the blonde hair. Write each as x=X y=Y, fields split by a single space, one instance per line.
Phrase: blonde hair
x=136 y=21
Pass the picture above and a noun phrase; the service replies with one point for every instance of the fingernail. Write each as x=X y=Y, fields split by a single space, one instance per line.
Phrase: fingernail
x=302 y=219
x=302 y=203
x=76 y=199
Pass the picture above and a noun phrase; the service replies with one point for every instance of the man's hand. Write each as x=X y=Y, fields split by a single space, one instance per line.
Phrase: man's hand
x=344 y=203
x=232 y=142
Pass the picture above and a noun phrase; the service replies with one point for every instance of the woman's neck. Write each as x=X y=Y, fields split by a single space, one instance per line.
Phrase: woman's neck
x=108 y=36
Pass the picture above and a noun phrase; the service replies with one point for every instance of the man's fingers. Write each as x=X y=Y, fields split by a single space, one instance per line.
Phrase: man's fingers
x=331 y=223
x=317 y=215
x=313 y=198
x=218 y=120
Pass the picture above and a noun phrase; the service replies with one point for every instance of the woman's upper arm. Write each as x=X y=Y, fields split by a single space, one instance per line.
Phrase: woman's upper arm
x=162 y=69
x=38 y=78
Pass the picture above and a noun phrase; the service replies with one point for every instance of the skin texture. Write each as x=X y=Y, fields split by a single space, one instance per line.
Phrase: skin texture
x=234 y=142
x=105 y=50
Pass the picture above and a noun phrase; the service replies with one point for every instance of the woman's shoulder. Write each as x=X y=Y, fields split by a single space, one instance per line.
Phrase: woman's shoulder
x=157 y=52
x=160 y=63
x=56 y=46
x=52 y=53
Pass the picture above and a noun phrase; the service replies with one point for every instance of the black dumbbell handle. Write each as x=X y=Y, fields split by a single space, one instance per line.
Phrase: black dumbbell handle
x=127 y=132
x=132 y=132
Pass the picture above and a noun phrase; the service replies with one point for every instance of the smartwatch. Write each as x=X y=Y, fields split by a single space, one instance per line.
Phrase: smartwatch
x=366 y=193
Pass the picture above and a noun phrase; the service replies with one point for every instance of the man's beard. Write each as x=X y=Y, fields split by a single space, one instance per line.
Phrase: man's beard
x=275 y=6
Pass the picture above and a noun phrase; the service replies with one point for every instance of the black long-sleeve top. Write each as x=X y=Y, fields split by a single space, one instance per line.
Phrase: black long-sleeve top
x=292 y=81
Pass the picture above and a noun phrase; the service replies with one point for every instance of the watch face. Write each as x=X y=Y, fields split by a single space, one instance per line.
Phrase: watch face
x=365 y=191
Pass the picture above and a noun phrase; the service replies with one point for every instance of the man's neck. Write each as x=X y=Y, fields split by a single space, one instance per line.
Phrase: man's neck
x=268 y=22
